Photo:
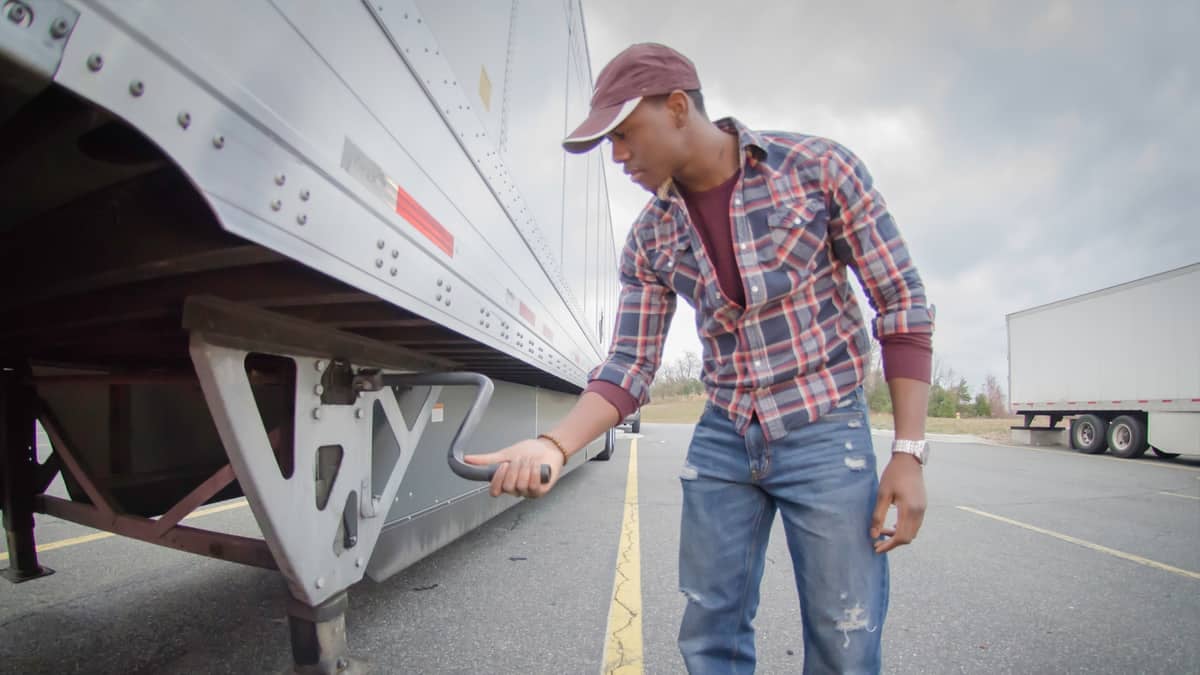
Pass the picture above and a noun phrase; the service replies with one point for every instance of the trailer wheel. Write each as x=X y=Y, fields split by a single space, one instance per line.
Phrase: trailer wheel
x=610 y=445
x=1127 y=437
x=1089 y=434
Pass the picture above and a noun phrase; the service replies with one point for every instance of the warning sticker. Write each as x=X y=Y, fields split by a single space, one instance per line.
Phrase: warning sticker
x=438 y=413
x=371 y=175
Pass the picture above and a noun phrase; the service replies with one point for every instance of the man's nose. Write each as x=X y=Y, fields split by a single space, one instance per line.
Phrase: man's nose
x=620 y=153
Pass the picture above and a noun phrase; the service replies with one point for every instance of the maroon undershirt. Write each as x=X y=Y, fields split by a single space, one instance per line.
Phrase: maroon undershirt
x=908 y=355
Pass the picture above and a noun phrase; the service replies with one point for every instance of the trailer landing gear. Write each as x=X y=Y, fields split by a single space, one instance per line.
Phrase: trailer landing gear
x=19 y=472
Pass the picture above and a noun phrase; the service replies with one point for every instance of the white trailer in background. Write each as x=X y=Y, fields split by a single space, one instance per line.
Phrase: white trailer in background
x=1123 y=362
x=286 y=249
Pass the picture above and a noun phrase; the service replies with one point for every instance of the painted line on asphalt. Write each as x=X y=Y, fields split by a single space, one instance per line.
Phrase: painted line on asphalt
x=1067 y=452
x=75 y=541
x=623 y=635
x=1176 y=494
x=1087 y=544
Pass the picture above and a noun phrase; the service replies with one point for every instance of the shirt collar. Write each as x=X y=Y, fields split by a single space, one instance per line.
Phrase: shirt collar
x=753 y=153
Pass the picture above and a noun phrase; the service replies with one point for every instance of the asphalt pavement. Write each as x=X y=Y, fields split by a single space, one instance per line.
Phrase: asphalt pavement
x=1030 y=561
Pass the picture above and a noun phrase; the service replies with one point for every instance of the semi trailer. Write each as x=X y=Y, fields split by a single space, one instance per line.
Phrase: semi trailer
x=304 y=252
x=1122 y=363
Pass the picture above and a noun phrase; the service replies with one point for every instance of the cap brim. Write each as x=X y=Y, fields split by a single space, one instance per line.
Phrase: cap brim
x=599 y=124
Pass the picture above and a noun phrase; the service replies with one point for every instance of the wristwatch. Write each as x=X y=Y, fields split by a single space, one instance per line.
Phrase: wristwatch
x=918 y=449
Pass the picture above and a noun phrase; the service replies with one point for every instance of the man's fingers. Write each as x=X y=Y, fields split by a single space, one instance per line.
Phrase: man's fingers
x=498 y=479
x=482 y=460
x=882 y=502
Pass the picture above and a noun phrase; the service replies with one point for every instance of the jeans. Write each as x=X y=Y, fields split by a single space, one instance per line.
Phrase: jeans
x=822 y=479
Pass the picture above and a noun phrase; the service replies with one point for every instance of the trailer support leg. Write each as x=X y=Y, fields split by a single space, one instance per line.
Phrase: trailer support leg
x=19 y=472
x=319 y=638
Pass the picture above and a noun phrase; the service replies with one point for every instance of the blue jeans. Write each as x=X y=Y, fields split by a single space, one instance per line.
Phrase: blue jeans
x=822 y=479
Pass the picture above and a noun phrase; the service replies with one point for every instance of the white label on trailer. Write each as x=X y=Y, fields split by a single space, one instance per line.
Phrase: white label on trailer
x=438 y=413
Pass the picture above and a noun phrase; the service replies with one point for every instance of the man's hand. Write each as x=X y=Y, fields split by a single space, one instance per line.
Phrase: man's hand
x=520 y=467
x=902 y=484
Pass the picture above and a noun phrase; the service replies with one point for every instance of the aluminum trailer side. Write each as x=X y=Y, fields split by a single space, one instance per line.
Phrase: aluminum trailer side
x=226 y=224
x=1123 y=361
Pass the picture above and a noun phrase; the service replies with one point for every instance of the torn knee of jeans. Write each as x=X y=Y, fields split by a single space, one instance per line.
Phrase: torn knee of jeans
x=853 y=619
x=856 y=463
x=688 y=472
x=692 y=596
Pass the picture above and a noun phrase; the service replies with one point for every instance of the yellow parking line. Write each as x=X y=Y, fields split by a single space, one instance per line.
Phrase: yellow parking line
x=623 y=636
x=1176 y=494
x=1087 y=544
x=75 y=541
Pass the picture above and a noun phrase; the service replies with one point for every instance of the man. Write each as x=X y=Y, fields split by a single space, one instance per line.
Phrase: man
x=756 y=230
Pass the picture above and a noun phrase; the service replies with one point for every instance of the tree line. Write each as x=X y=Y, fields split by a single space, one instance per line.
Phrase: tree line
x=949 y=393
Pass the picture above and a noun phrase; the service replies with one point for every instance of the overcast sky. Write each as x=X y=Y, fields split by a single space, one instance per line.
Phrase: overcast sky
x=1030 y=151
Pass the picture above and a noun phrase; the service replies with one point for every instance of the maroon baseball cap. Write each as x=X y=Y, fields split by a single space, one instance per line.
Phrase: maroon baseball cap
x=647 y=69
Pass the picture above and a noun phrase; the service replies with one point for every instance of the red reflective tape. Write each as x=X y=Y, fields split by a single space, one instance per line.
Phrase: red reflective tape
x=1091 y=403
x=1072 y=403
x=418 y=217
x=528 y=314
x=1143 y=401
x=1167 y=400
x=1116 y=401
x=1196 y=400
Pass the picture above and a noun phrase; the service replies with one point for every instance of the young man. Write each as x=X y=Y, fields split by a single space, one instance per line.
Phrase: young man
x=757 y=231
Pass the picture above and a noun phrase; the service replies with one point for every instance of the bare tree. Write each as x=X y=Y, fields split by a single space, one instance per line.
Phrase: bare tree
x=995 y=396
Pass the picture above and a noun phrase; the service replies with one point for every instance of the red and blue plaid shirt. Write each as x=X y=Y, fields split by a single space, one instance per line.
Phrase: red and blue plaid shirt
x=804 y=210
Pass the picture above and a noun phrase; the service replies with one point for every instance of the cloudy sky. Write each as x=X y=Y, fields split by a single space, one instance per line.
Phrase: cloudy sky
x=1030 y=151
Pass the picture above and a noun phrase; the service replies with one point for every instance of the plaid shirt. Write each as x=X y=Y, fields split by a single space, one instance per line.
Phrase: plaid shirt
x=803 y=211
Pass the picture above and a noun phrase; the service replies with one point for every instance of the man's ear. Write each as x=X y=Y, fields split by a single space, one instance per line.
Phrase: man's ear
x=680 y=106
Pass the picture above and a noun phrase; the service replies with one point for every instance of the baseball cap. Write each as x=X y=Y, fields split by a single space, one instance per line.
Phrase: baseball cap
x=646 y=69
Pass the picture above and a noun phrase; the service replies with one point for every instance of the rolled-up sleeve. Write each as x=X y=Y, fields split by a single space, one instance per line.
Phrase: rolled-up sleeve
x=644 y=313
x=865 y=237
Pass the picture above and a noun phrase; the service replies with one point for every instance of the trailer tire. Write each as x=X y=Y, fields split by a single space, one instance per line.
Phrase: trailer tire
x=1127 y=437
x=1089 y=434
x=610 y=445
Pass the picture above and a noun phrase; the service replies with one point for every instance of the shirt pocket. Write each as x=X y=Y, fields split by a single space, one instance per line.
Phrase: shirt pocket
x=798 y=231
x=676 y=267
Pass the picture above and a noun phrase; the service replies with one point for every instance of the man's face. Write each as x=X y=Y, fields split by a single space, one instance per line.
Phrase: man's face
x=648 y=144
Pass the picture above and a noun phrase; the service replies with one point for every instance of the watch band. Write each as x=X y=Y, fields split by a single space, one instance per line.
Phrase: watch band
x=918 y=449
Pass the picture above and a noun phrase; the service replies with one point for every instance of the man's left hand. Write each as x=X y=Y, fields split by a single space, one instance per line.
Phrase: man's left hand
x=902 y=484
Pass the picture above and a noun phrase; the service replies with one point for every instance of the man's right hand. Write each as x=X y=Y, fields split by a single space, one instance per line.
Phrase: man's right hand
x=520 y=467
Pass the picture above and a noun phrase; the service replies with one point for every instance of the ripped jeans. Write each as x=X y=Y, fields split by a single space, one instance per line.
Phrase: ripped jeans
x=821 y=478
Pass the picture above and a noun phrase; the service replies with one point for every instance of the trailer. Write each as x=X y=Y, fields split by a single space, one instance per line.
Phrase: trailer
x=1122 y=363
x=301 y=251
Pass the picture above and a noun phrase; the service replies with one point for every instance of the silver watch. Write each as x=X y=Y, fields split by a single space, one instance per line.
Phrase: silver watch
x=918 y=449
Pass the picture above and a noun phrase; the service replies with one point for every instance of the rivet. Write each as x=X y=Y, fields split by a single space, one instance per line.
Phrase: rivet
x=59 y=28
x=358 y=413
x=358 y=562
x=304 y=195
x=280 y=179
x=379 y=263
x=380 y=244
x=319 y=365
x=439 y=283
x=276 y=204
x=394 y=271
x=447 y=302
x=395 y=254
x=439 y=297
x=184 y=119
x=316 y=413
x=137 y=88
x=301 y=219
x=17 y=14
x=319 y=389
x=95 y=62
x=218 y=142
x=320 y=582
x=447 y=288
